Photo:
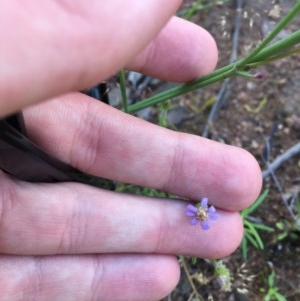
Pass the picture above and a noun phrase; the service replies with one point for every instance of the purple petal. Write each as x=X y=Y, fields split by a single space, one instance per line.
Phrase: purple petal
x=212 y=213
x=211 y=209
x=193 y=221
x=191 y=208
x=204 y=225
x=204 y=202
x=190 y=213
x=213 y=216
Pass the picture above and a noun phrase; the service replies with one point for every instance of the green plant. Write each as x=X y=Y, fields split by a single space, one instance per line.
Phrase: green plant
x=272 y=293
x=163 y=113
x=264 y=53
x=251 y=228
x=198 y=6
x=134 y=189
x=290 y=229
x=222 y=275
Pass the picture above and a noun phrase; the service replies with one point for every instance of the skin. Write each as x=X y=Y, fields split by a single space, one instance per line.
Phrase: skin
x=68 y=241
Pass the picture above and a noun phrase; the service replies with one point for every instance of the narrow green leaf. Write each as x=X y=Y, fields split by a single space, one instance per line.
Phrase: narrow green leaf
x=262 y=227
x=280 y=297
x=267 y=298
x=249 y=237
x=122 y=79
x=257 y=203
x=271 y=279
x=194 y=260
x=255 y=234
x=244 y=248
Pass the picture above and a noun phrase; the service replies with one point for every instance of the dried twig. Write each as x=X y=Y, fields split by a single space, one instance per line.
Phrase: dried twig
x=271 y=167
x=190 y=280
x=294 y=150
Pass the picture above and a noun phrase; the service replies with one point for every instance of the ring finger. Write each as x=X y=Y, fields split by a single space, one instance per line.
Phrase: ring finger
x=69 y=218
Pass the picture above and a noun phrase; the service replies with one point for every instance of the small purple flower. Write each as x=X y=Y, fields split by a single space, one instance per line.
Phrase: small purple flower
x=201 y=213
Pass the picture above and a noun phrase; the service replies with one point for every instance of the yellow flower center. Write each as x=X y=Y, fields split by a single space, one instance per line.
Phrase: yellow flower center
x=202 y=214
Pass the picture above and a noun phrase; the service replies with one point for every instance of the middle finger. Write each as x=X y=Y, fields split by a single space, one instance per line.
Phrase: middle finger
x=103 y=141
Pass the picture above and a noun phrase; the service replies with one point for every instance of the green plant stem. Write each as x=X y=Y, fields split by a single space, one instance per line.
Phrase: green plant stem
x=244 y=248
x=278 y=28
x=257 y=57
x=275 y=58
x=192 y=10
x=256 y=204
x=201 y=7
x=277 y=48
x=122 y=78
x=251 y=230
x=219 y=74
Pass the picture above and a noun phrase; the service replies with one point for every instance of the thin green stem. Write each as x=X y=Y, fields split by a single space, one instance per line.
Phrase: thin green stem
x=256 y=204
x=214 y=77
x=259 y=56
x=278 y=28
x=202 y=7
x=278 y=47
x=122 y=79
x=192 y=10
x=254 y=233
x=275 y=58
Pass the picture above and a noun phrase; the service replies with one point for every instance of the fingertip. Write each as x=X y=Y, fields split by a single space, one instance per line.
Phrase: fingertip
x=256 y=176
x=233 y=178
x=182 y=52
x=206 y=54
x=199 y=52
x=247 y=182
x=167 y=275
x=228 y=241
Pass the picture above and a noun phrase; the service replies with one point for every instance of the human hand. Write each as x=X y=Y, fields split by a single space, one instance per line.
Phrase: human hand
x=68 y=241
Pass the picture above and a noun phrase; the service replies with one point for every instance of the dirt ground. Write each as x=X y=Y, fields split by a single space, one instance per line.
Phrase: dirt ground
x=256 y=114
